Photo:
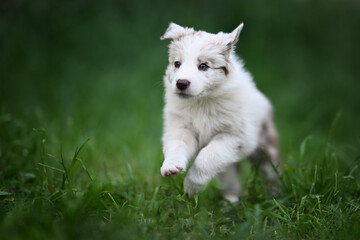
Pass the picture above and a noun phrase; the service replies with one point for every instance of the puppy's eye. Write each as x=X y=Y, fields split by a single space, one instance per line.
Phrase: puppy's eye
x=203 y=67
x=177 y=64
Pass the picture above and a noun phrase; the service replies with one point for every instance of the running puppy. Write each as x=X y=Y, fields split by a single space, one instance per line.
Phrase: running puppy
x=213 y=112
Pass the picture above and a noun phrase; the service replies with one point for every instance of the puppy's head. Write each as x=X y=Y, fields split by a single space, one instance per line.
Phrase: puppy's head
x=198 y=61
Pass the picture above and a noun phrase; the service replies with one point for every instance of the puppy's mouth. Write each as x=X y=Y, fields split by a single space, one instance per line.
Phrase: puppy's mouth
x=183 y=95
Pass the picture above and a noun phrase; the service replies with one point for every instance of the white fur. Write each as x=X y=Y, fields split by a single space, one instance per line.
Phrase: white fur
x=217 y=120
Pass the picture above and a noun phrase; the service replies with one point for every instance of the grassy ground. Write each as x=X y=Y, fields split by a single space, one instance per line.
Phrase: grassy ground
x=80 y=121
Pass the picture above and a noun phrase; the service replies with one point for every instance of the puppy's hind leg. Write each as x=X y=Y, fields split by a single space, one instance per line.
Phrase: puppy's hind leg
x=267 y=155
x=230 y=183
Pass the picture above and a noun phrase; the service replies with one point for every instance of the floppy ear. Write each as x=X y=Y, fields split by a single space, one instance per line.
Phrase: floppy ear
x=174 y=31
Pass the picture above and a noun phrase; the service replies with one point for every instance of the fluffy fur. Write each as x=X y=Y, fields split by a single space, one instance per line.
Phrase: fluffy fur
x=214 y=114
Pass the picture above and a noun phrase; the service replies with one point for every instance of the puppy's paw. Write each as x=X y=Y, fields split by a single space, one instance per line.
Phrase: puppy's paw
x=191 y=188
x=172 y=169
x=231 y=198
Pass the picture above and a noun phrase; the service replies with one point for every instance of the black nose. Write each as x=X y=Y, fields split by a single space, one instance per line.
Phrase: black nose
x=182 y=84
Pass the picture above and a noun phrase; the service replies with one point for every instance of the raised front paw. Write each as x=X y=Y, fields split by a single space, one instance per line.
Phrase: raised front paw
x=172 y=168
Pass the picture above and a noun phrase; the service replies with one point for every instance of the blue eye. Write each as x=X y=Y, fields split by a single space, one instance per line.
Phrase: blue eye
x=203 y=67
x=177 y=64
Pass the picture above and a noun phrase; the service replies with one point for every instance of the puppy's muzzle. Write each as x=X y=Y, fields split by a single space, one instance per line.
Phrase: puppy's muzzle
x=182 y=84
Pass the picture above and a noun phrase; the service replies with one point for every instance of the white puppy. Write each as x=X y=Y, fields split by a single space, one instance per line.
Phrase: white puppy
x=213 y=113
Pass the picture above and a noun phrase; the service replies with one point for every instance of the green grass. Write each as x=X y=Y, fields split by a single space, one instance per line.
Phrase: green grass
x=57 y=197
x=80 y=121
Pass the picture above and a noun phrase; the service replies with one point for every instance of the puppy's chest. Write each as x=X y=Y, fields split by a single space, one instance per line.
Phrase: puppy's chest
x=207 y=122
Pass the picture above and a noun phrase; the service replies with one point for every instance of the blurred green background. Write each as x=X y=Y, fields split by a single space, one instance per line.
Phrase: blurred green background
x=94 y=69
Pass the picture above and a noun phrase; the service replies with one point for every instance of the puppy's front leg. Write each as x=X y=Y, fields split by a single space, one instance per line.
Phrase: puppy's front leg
x=179 y=146
x=223 y=150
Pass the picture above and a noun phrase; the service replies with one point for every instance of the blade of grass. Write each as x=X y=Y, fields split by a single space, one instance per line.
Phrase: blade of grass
x=77 y=152
x=303 y=147
x=4 y=193
x=113 y=200
x=42 y=154
x=52 y=168
x=333 y=126
x=66 y=174
x=84 y=167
